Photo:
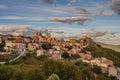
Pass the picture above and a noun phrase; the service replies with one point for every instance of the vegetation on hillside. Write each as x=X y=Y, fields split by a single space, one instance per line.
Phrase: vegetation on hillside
x=98 y=51
x=30 y=67
x=113 y=47
x=7 y=57
x=46 y=46
x=2 y=44
x=66 y=55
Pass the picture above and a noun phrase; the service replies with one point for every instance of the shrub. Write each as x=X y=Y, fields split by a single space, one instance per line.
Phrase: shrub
x=65 y=55
x=46 y=46
x=96 y=69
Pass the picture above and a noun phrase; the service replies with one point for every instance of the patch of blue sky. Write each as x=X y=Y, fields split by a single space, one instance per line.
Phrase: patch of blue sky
x=20 y=11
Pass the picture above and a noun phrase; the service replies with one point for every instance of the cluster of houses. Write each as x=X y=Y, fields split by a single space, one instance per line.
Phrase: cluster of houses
x=71 y=46
x=106 y=65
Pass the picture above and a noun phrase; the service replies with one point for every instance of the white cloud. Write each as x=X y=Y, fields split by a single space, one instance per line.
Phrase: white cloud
x=104 y=36
x=66 y=32
x=70 y=20
x=21 y=18
x=20 y=30
x=97 y=35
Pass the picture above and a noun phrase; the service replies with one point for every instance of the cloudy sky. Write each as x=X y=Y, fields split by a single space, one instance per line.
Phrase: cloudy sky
x=68 y=17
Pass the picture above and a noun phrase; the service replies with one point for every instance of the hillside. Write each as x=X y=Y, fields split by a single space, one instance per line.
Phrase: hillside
x=42 y=67
x=99 y=51
x=31 y=67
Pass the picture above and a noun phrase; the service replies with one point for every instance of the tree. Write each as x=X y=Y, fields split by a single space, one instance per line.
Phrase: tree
x=54 y=77
x=75 y=56
x=65 y=55
x=2 y=44
x=7 y=62
x=42 y=57
x=46 y=46
x=5 y=73
x=96 y=69
x=35 y=74
x=18 y=76
x=68 y=47
x=113 y=78
x=65 y=70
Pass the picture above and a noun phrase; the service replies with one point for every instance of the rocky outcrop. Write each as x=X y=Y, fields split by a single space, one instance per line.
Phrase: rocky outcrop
x=85 y=41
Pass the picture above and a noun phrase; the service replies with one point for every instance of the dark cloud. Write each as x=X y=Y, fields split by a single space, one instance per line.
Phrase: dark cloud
x=81 y=11
x=70 y=20
x=85 y=12
x=49 y=1
x=115 y=6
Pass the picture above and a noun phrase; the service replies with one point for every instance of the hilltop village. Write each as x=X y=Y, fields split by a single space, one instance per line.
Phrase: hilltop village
x=40 y=44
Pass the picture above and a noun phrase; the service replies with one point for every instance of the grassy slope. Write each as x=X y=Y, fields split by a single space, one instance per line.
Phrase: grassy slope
x=7 y=57
x=99 y=51
x=116 y=48
x=31 y=67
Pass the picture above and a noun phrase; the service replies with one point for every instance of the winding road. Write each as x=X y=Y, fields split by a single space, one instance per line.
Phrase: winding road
x=22 y=53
